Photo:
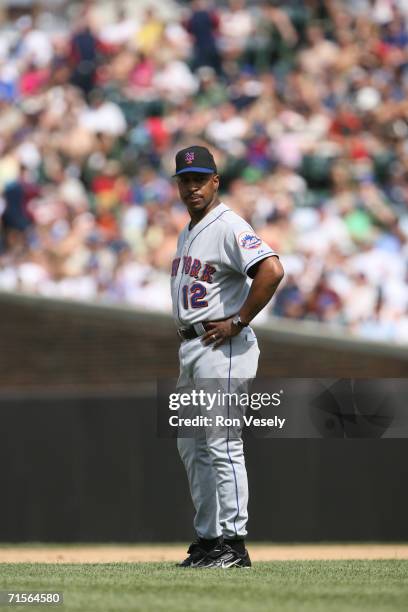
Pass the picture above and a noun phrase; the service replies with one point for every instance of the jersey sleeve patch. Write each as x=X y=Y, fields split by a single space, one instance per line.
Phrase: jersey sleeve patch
x=249 y=241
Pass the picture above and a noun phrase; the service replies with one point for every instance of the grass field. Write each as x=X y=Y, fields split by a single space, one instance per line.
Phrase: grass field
x=288 y=586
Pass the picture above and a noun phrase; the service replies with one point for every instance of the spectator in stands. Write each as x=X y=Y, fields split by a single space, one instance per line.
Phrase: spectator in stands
x=203 y=26
x=84 y=57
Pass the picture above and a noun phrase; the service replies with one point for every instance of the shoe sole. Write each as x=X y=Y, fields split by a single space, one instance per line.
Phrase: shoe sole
x=224 y=566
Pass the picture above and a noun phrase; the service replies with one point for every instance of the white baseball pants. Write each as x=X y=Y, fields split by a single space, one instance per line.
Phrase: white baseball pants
x=215 y=465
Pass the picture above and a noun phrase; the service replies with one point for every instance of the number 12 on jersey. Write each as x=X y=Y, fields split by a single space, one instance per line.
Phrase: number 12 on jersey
x=196 y=292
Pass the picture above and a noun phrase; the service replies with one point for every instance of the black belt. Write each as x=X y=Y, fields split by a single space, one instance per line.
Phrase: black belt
x=189 y=333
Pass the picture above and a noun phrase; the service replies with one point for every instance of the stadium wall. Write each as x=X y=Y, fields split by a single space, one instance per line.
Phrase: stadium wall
x=54 y=343
x=82 y=462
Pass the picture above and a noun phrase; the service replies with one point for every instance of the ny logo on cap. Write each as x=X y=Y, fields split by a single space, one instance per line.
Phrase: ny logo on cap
x=189 y=157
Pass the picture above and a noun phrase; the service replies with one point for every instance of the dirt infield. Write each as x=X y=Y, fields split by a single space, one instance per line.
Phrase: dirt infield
x=145 y=553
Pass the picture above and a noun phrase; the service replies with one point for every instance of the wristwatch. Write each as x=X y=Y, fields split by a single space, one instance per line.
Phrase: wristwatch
x=238 y=323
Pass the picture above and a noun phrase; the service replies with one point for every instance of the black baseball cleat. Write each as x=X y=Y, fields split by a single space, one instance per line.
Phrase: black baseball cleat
x=196 y=553
x=225 y=557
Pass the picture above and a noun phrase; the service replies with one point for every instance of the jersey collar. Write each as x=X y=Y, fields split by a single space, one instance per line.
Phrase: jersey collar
x=211 y=216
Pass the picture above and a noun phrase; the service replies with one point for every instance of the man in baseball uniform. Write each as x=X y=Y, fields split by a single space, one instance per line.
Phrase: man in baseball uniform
x=222 y=276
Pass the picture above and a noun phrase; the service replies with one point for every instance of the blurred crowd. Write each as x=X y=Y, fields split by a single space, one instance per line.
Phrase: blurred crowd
x=304 y=104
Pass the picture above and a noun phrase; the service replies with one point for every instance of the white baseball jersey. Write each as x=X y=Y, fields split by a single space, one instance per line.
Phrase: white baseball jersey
x=209 y=273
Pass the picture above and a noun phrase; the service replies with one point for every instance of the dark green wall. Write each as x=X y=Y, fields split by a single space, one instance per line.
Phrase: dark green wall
x=92 y=469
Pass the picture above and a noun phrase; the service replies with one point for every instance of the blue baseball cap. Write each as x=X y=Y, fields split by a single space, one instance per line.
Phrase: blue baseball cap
x=195 y=159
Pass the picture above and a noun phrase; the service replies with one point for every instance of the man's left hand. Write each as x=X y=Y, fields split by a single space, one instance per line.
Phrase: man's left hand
x=219 y=331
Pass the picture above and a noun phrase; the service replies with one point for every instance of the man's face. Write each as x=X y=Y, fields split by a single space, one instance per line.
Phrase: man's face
x=197 y=190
